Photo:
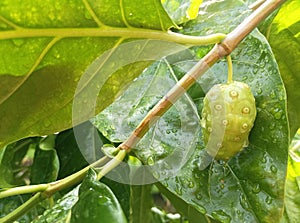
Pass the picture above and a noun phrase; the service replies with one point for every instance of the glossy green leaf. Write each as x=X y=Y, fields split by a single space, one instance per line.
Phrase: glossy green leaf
x=193 y=215
x=45 y=165
x=141 y=199
x=70 y=157
x=161 y=147
x=182 y=10
x=48 y=45
x=8 y=204
x=244 y=189
x=96 y=203
x=61 y=211
x=78 y=147
x=250 y=187
x=284 y=38
x=292 y=187
x=121 y=191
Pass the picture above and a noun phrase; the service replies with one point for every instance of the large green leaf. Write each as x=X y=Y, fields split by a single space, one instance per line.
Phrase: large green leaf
x=250 y=187
x=141 y=199
x=292 y=188
x=48 y=45
x=45 y=165
x=182 y=10
x=9 y=204
x=61 y=211
x=285 y=41
x=96 y=203
x=161 y=147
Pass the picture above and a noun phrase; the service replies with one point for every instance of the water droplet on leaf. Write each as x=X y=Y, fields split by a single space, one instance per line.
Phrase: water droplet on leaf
x=150 y=161
x=221 y=216
x=256 y=189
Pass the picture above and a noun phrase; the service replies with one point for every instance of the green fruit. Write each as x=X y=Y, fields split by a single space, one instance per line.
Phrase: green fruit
x=228 y=115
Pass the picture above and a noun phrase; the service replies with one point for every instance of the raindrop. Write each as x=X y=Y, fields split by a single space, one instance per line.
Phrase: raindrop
x=244 y=202
x=273 y=169
x=278 y=115
x=178 y=191
x=244 y=78
x=47 y=123
x=269 y=200
x=221 y=216
x=150 y=161
x=199 y=196
x=259 y=91
x=272 y=126
x=272 y=94
x=191 y=184
x=264 y=160
x=165 y=184
x=201 y=209
x=87 y=15
x=18 y=42
x=256 y=189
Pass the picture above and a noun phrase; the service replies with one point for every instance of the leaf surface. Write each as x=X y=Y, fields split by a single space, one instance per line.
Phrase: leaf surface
x=48 y=46
x=182 y=10
x=61 y=211
x=250 y=187
x=284 y=38
x=292 y=188
x=102 y=204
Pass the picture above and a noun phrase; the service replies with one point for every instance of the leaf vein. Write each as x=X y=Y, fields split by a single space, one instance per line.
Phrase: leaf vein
x=38 y=61
x=93 y=14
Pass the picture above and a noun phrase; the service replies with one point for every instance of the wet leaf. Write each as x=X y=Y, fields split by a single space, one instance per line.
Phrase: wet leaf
x=45 y=165
x=182 y=10
x=161 y=147
x=8 y=204
x=250 y=187
x=285 y=40
x=141 y=200
x=102 y=204
x=61 y=211
x=292 y=188
x=48 y=46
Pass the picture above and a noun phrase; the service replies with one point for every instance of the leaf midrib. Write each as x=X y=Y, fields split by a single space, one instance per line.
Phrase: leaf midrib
x=111 y=32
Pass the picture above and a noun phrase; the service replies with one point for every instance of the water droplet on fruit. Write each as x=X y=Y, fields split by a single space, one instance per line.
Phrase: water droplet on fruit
x=245 y=126
x=225 y=122
x=218 y=107
x=246 y=110
x=233 y=94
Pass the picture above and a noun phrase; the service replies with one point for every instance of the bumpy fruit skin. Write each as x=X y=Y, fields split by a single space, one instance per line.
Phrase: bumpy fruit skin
x=228 y=115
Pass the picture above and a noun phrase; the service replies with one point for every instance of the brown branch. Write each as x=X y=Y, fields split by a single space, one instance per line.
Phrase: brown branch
x=221 y=50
